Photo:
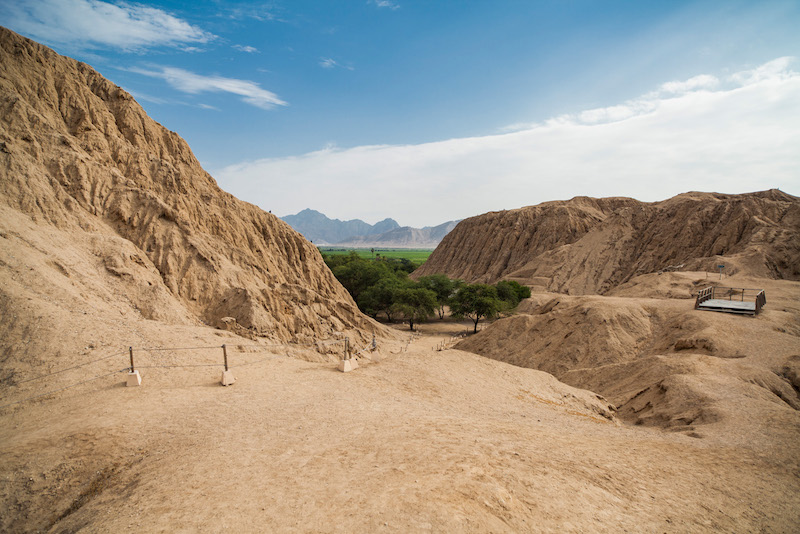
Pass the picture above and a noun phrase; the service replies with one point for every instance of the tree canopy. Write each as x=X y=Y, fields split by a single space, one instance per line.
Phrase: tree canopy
x=476 y=301
x=443 y=287
x=380 y=285
x=415 y=303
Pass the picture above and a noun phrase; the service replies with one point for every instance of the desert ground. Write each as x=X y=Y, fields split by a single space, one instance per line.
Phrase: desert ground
x=415 y=439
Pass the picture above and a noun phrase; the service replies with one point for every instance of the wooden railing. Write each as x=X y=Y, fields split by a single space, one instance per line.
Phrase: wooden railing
x=732 y=293
x=761 y=299
x=704 y=295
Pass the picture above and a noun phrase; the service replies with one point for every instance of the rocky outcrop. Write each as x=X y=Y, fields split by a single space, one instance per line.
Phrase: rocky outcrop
x=78 y=154
x=587 y=246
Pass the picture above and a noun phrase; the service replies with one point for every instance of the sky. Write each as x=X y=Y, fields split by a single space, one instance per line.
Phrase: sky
x=429 y=111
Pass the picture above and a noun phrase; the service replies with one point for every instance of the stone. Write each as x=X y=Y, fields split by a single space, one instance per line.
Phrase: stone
x=228 y=378
x=346 y=366
x=134 y=379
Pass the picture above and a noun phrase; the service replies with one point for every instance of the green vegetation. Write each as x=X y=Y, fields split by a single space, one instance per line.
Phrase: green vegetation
x=417 y=256
x=476 y=301
x=443 y=287
x=380 y=285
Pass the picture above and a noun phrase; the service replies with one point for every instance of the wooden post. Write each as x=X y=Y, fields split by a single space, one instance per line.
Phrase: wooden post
x=225 y=355
x=130 y=351
x=347 y=348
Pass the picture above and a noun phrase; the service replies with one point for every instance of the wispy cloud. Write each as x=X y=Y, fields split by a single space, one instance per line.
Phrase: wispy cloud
x=248 y=49
x=97 y=24
x=386 y=4
x=330 y=63
x=262 y=13
x=652 y=101
x=741 y=136
x=192 y=83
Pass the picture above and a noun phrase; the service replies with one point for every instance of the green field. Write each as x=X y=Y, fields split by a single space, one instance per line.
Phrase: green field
x=415 y=255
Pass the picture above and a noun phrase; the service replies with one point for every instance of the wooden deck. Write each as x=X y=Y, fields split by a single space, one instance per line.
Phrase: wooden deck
x=730 y=306
x=731 y=300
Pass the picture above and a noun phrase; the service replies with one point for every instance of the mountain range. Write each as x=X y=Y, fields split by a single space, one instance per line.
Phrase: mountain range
x=322 y=230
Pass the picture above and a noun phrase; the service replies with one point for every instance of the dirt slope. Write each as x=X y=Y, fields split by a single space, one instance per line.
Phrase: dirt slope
x=79 y=156
x=588 y=246
x=419 y=441
x=658 y=360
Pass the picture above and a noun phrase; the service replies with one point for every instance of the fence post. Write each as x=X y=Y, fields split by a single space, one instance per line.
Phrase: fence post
x=134 y=379
x=227 y=375
x=347 y=348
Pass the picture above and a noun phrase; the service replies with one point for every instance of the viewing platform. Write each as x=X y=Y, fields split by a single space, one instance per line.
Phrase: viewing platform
x=731 y=300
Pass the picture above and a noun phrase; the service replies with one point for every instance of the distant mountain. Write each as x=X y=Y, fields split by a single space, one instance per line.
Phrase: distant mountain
x=321 y=230
x=404 y=237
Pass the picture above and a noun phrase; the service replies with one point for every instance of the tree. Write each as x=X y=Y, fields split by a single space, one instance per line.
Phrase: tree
x=442 y=286
x=358 y=275
x=512 y=292
x=415 y=303
x=476 y=301
x=380 y=297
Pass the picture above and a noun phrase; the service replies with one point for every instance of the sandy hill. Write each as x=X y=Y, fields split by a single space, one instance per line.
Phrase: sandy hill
x=110 y=200
x=587 y=245
x=111 y=235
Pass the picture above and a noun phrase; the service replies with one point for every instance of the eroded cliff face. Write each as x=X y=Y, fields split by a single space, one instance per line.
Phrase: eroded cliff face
x=78 y=154
x=587 y=246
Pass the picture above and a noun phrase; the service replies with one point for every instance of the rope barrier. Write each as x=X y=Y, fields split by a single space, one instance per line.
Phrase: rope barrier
x=173 y=366
x=69 y=368
x=156 y=349
x=272 y=357
x=62 y=389
x=163 y=349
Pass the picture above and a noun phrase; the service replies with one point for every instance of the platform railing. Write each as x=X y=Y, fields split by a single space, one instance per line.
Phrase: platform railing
x=741 y=294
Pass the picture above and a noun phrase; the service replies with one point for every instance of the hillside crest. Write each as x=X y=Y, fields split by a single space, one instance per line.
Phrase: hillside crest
x=587 y=245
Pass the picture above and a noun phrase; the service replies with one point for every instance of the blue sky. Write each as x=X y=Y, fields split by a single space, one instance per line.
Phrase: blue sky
x=430 y=111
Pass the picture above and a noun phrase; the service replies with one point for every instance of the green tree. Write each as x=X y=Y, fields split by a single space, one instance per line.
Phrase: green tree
x=358 y=275
x=415 y=303
x=476 y=301
x=380 y=297
x=444 y=288
x=512 y=292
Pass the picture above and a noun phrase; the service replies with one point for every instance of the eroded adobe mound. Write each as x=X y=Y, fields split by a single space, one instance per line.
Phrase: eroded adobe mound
x=589 y=246
x=80 y=157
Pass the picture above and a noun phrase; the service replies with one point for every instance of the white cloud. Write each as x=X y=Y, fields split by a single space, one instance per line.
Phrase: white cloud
x=248 y=49
x=189 y=82
x=329 y=63
x=96 y=24
x=703 y=81
x=775 y=69
x=385 y=3
x=738 y=139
